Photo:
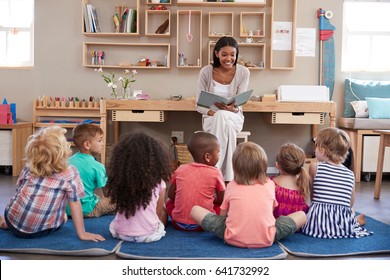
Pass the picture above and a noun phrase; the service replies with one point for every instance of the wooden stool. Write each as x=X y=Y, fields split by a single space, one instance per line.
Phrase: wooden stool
x=383 y=143
x=243 y=135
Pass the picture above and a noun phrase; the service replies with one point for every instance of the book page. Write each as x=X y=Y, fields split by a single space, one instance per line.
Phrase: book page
x=206 y=99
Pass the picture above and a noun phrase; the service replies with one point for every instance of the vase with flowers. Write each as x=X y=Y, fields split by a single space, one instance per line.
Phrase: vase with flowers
x=126 y=81
x=110 y=80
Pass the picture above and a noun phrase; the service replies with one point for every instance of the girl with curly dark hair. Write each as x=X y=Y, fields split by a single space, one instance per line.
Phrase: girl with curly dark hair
x=137 y=171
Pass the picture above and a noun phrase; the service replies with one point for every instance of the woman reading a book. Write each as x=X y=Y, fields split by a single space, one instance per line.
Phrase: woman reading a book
x=224 y=78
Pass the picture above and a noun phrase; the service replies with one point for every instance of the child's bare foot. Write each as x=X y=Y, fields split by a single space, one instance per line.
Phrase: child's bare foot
x=361 y=219
x=3 y=224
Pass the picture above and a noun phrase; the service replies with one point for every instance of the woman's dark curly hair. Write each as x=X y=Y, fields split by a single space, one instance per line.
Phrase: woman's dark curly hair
x=138 y=163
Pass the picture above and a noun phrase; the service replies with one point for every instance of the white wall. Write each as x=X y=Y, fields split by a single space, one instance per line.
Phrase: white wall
x=58 y=71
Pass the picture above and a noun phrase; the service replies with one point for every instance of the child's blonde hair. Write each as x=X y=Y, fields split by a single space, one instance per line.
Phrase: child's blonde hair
x=47 y=151
x=249 y=164
x=291 y=160
x=335 y=143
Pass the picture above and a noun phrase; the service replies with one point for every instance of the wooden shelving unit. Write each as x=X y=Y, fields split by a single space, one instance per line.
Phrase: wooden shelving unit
x=283 y=58
x=250 y=52
x=221 y=24
x=237 y=3
x=189 y=39
x=127 y=55
x=252 y=24
x=106 y=18
x=154 y=19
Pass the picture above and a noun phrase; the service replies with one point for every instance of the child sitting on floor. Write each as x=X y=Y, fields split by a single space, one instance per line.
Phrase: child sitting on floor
x=45 y=185
x=292 y=183
x=333 y=185
x=88 y=138
x=138 y=167
x=198 y=183
x=246 y=218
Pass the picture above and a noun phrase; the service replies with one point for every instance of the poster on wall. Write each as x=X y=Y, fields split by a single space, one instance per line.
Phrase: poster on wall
x=282 y=36
x=306 y=42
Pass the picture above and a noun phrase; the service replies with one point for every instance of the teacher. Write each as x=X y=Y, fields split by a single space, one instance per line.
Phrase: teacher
x=226 y=78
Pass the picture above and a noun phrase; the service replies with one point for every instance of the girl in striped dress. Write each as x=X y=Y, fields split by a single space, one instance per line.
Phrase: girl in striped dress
x=331 y=215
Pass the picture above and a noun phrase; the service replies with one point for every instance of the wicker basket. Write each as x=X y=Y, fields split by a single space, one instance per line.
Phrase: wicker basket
x=183 y=155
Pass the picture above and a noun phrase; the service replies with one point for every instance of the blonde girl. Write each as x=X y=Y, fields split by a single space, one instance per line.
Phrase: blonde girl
x=333 y=186
x=45 y=185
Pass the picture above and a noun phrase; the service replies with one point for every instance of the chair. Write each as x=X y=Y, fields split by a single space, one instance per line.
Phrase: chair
x=243 y=135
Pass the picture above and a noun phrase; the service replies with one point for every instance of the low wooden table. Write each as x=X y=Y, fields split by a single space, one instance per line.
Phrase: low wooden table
x=383 y=143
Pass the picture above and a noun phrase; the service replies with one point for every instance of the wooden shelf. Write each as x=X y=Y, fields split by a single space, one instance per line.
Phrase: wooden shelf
x=283 y=57
x=221 y=24
x=252 y=24
x=189 y=21
x=64 y=114
x=154 y=19
x=250 y=52
x=127 y=55
x=106 y=18
x=259 y=3
x=150 y=3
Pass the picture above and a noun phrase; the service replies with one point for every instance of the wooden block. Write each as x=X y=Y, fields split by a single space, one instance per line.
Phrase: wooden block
x=268 y=98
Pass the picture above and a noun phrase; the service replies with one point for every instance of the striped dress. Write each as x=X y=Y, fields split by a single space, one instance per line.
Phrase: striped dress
x=330 y=214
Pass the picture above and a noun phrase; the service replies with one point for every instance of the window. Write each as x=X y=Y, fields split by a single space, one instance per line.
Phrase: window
x=366 y=36
x=16 y=33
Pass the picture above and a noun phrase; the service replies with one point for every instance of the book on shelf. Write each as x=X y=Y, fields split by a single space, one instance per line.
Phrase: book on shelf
x=133 y=21
x=86 y=19
x=91 y=19
x=207 y=99
x=95 y=19
x=123 y=20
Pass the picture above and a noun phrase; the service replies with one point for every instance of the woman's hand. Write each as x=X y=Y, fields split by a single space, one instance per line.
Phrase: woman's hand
x=231 y=107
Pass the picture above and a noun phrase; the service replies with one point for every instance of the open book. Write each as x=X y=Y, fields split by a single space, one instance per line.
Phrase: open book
x=206 y=99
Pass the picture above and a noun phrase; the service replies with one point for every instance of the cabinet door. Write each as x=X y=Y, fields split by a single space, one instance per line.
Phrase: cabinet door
x=6 y=147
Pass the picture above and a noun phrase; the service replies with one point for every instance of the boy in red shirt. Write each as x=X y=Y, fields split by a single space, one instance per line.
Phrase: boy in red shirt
x=196 y=183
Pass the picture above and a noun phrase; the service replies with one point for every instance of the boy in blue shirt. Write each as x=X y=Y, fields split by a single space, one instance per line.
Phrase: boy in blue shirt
x=88 y=138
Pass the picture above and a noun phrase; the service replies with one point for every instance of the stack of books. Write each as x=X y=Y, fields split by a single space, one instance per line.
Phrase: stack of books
x=125 y=19
x=91 y=20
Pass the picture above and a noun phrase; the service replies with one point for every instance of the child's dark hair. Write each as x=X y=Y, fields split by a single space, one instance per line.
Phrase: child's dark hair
x=138 y=163
x=201 y=143
x=223 y=42
x=84 y=132
x=250 y=164
x=291 y=160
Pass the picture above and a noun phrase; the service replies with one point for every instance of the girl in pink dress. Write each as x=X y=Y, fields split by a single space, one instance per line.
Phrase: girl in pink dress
x=292 y=185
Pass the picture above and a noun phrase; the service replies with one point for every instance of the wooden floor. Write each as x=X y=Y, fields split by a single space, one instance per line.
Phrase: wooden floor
x=378 y=209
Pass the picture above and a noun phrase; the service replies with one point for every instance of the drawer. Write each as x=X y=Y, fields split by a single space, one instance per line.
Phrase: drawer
x=5 y=147
x=297 y=118
x=138 y=116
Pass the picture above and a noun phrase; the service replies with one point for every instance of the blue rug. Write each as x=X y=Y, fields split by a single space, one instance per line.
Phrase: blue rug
x=194 y=245
x=306 y=246
x=64 y=241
